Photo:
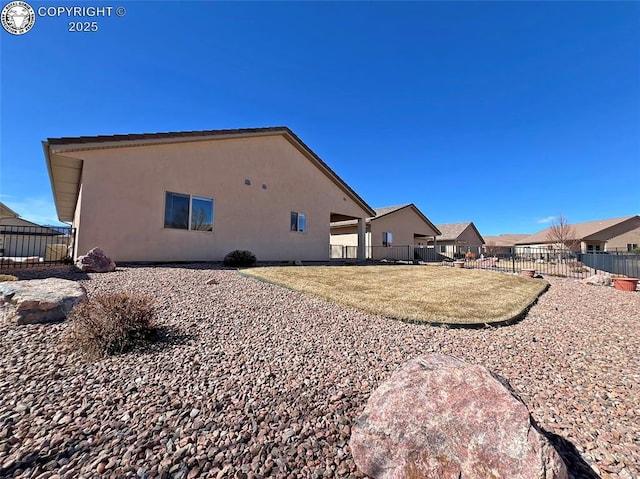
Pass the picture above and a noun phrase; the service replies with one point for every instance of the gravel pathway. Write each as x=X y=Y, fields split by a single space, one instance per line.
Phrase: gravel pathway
x=259 y=381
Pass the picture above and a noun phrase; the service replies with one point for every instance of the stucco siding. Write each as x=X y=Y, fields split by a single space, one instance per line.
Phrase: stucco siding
x=124 y=189
x=403 y=224
x=348 y=239
x=621 y=241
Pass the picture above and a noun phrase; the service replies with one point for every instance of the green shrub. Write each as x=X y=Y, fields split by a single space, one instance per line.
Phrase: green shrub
x=635 y=250
x=240 y=259
x=111 y=323
x=8 y=277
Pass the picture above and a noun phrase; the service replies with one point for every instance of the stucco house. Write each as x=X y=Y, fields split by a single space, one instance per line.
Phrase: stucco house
x=404 y=227
x=197 y=195
x=458 y=239
x=614 y=234
x=503 y=244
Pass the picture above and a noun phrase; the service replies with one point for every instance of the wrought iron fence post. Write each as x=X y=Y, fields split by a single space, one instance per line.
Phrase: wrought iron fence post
x=513 y=263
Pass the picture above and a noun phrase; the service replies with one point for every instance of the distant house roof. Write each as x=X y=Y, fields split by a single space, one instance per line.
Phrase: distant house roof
x=64 y=173
x=451 y=231
x=380 y=212
x=583 y=231
x=12 y=223
x=504 y=239
x=6 y=212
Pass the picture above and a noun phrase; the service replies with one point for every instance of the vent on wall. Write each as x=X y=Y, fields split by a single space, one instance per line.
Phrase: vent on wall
x=247 y=182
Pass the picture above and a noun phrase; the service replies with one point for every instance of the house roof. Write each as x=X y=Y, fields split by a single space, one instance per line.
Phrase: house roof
x=380 y=212
x=65 y=171
x=583 y=231
x=6 y=212
x=451 y=231
x=506 y=239
x=385 y=210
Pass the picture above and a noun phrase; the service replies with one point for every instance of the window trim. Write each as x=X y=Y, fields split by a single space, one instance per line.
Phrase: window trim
x=189 y=219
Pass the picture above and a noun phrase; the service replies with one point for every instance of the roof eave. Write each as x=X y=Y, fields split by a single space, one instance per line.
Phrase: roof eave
x=105 y=142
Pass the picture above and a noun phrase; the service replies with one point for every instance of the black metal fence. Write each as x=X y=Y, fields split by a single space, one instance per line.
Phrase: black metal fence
x=544 y=261
x=403 y=253
x=29 y=246
x=555 y=262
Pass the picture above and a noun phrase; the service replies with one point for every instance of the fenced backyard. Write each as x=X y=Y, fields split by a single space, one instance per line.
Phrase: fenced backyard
x=545 y=261
x=30 y=246
x=561 y=263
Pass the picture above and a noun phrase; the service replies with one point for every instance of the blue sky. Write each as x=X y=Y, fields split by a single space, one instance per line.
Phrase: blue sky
x=503 y=114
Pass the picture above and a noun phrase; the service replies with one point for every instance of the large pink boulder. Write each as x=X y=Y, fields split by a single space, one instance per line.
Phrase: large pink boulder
x=438 y=417
x=95 y=261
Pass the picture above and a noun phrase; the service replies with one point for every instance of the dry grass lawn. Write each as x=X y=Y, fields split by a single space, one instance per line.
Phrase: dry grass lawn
x=413 y=293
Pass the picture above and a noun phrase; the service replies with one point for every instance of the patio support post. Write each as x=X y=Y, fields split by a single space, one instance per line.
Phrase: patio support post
x=362 y=234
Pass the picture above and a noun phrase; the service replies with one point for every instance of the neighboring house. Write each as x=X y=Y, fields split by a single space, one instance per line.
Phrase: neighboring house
x=503 y=244
x=10 y=217
x=616 y=234
x=458 y=239
x=20 y=239
x=197 y=195
x=400 y=226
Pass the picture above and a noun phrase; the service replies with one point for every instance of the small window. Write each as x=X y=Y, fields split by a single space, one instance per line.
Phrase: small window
x=631 y=246
x=442 y=248
x=186 y=212
x=298 y=222
x=387 y=238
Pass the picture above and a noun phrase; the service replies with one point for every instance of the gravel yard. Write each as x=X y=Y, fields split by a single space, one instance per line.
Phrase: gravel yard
x=260 y=381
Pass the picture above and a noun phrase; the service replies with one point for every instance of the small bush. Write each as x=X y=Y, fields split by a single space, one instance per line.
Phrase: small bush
x=240 y=259
x=111 y=323
x=635 y=250
x=8 y=277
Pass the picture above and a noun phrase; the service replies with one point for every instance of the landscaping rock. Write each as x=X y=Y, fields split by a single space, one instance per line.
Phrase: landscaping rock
x=598 y=280
x=95 y=261
x=39 y=300
x=439 y=417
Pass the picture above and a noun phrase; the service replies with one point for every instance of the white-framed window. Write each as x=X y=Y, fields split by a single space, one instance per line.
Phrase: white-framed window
x=387 y=238
x=298 y=222
x=631 y=246
x=442 y=248
x=188 y=212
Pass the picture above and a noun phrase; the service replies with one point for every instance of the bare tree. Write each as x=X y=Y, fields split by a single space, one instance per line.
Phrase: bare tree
x=563 y=235
x=200 y=220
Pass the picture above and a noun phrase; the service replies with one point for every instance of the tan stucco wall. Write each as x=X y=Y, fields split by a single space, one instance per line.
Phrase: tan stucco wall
x=123 y=196
x=348 y=239
x=402 y=224
x=470 y=238
x=620 y=242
